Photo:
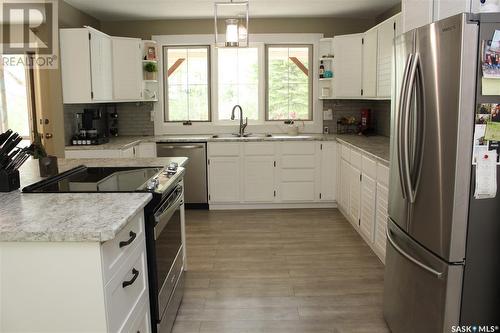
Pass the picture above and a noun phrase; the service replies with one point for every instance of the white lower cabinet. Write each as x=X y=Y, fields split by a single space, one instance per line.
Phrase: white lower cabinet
x=363 y=195
x=272 y=173
x=77 y=286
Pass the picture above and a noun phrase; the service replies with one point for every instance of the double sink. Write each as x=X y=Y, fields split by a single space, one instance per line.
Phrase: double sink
x=250 y=136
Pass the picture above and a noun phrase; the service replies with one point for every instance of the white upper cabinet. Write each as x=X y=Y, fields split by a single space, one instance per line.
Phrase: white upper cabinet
x=370 y=63
x=386 y=35
x=97 y=68
x=347 y=68
x=101 y=66
x=75 y=64
x=127 y=73
x=447 y=8
x=416 y=13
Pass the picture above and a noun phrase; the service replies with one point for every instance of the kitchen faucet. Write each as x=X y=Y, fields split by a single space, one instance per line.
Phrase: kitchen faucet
x=244 y=124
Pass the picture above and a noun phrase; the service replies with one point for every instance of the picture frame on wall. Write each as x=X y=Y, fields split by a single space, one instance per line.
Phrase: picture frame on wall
x=151 y=53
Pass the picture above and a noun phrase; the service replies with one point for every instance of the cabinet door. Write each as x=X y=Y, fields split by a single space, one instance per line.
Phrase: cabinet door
x=354 y=195
x=75 y=65
x=447 y=8
x=416 y=13
x=328 y=179
x=370 y=63
x=367 y=219
x=345 y=176
x=258 y=179
x=381 y=217
x=146 y=150
x=224 y=179
x=386 y=34
x=101 y=66
x=348 y=65
x=127 y=79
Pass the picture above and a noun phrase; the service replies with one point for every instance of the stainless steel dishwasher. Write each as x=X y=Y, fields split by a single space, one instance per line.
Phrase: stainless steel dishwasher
x=195 y=179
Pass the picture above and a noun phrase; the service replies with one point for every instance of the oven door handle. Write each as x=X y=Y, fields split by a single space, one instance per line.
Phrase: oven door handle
x=163 y=218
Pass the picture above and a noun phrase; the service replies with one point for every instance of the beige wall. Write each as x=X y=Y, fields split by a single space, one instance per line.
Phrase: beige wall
x=328 y=26
x=388 y=13
x=70 y=17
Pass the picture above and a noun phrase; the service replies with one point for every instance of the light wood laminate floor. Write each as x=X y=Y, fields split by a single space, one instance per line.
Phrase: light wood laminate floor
x=279 y=271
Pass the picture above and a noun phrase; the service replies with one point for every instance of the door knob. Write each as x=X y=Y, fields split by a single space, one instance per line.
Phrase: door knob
x=48 y=135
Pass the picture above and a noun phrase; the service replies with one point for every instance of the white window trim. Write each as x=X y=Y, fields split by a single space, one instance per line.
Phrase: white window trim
x=218 y=127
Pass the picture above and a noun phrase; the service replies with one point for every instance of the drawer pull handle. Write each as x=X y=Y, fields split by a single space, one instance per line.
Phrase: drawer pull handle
x=131 y=281
x=130 y=240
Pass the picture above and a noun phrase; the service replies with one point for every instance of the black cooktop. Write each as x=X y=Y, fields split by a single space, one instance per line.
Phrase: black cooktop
x=96 y=179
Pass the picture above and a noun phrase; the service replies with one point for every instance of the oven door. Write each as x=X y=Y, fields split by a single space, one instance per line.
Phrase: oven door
x=168 y=246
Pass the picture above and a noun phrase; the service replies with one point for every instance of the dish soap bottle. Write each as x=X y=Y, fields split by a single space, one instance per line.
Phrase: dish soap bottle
x=321 y=70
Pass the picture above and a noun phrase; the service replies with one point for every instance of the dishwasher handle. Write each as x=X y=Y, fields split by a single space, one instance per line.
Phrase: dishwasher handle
x=161 y=146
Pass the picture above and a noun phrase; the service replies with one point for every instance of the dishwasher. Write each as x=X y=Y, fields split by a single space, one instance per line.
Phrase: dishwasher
x=195 y=179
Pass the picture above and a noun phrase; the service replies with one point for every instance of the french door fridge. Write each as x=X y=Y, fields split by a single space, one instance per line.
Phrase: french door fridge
x=431 y=175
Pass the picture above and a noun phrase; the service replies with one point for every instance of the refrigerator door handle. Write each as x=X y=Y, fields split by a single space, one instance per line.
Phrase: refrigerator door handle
x=410 y=258
x=406 y=144
x=419 y=130
x=400 y=133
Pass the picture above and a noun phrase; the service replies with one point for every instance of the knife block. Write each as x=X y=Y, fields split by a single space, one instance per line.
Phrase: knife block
x=9 y=181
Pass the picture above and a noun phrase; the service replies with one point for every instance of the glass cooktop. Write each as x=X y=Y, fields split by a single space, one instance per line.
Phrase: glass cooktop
x=93 y=179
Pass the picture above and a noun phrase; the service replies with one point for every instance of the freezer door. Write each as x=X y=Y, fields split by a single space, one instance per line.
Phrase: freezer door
x=439 y=135
x=421 y=292
x=398 y=204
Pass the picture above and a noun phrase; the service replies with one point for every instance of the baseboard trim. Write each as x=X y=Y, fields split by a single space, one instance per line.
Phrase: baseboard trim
x=239 y=206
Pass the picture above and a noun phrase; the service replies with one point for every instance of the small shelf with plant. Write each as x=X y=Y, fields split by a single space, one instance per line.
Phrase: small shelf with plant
x=150 y=70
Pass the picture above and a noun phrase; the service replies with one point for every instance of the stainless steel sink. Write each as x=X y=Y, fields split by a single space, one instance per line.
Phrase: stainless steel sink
x=237 y=136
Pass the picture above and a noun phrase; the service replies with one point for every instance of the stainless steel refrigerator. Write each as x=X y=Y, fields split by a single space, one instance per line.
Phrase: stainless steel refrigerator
x=443 y=246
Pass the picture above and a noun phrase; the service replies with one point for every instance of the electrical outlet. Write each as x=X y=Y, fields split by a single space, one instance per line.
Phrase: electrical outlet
x=328 y=114
x=326 y=130
x=152 y=115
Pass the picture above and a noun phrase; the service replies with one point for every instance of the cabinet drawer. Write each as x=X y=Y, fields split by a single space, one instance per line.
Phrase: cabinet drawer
x=346 y=153
x=369 y=167
x=297 y=162
x=258 y=148
x=355 y=159
x=224 y=149
x=140 y=320
x=117 y=250
x=294 y=175
x=91 y=153
x=297 y=191
x=298 y=148
x=383 y=174
x=125 y=290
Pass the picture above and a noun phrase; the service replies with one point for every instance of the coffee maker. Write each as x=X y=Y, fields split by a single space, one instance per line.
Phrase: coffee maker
x=91 y=128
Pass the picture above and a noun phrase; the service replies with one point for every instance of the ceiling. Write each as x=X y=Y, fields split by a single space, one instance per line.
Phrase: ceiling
x=115 y=10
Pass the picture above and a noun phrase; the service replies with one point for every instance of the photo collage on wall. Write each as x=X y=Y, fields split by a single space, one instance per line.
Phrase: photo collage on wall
x=487 y=129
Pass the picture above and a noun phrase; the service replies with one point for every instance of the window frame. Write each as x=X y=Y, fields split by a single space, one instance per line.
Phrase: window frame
x=310 y=48
x=261 y=88
x=165 y=82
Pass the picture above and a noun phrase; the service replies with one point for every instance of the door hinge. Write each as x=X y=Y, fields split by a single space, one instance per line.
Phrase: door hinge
x=274 y=163
x=274 y=193
x=361 y=92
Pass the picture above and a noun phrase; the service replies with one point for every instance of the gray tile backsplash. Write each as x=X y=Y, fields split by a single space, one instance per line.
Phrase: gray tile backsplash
x=381 y=113
x=134 y=119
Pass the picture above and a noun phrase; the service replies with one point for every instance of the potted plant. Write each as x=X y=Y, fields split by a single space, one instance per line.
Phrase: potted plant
x=47 y=164
x=150 y=69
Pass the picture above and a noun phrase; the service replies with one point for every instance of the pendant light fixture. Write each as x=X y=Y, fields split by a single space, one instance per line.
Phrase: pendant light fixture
x=234 y=14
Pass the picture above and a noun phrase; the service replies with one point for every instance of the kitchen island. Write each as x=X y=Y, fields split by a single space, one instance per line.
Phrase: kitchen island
x=74 y=262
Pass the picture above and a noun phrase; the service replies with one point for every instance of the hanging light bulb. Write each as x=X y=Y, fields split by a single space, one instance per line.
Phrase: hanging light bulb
x=232 y=33
x=236 y=24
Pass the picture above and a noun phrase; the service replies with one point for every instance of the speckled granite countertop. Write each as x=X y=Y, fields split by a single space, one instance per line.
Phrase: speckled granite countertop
x=71 y=217
x=378 y=146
